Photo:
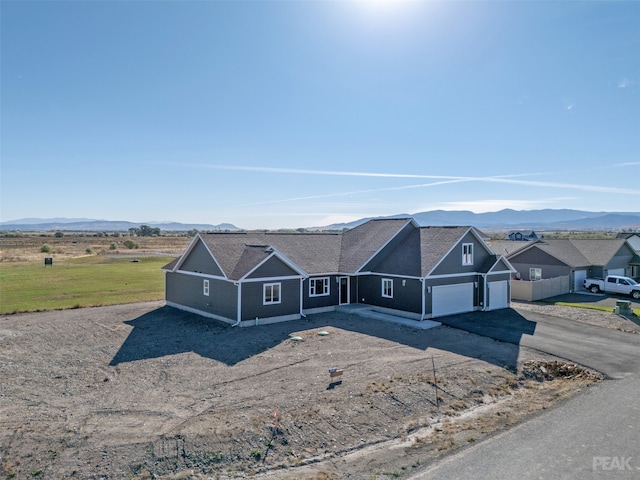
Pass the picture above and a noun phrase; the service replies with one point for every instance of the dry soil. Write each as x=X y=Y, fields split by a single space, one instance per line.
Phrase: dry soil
x=146 y=391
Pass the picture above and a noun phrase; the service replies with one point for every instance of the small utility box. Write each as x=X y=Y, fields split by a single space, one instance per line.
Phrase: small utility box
x=623 y=306
x=48 y=261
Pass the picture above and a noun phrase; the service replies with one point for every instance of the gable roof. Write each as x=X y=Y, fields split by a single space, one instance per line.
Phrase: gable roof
x=576 y=252
x=436 y=243
x=600 y=251
x=238 y=254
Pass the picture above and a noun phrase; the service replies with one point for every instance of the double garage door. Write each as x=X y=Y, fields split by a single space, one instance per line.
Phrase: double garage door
x=452 y=299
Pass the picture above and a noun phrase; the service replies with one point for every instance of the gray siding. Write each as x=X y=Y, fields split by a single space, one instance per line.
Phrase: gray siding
x=407 y=297
x=452 y=263
x=322 y=301
x=622 y=258
x=535 y=258
x=400 y=257
x=187 y=290
x=201 y=261
x=274 y=267
x=252 y=299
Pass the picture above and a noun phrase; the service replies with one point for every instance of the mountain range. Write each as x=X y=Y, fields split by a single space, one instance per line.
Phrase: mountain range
x=92 y=225
x=507 y=219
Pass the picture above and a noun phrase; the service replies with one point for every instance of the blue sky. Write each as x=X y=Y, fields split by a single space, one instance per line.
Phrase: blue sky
x=284 y=114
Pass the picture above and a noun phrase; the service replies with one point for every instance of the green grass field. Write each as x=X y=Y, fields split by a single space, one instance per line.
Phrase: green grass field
x=79 y=282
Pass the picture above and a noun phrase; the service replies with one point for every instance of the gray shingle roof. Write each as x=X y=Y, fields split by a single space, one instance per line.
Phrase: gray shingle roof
x=324 y=253
x=599 y=251
x=435 y=243
x=575 y=252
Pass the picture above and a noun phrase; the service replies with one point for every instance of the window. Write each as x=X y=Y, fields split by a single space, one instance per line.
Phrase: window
x=318 y=287
x=467 y=254
x=270 y=293
x=535 y=274
x=205 y=287
x=387 y=288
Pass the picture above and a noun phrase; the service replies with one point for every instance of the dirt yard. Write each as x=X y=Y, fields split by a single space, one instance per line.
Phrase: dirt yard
x=145 y=391
x=28 y=248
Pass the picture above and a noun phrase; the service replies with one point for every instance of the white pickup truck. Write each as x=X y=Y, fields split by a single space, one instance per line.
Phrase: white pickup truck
x=613 y=284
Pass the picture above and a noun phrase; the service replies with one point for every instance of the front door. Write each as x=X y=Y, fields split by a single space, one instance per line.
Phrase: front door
x=344 y=290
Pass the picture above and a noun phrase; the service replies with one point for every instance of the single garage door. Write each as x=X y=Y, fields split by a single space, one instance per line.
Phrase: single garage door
x=451 y=299
x=616 y=271
x=578 y=279
x=498 y=295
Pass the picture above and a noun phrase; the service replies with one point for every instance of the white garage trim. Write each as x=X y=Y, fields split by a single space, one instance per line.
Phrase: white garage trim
x=498 y=297
x=452 y=299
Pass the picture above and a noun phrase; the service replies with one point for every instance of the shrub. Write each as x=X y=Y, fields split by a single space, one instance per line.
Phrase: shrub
x=113 y=246
x=130 y=244
x=45 y=248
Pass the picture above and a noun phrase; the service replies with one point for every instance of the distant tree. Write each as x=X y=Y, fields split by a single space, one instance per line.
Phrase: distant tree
x=145 y=231
x=58 y=235
x=192 y=233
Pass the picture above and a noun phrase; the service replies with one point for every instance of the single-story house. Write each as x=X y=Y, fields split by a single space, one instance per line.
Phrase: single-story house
x=576 y=258
x=391 y=265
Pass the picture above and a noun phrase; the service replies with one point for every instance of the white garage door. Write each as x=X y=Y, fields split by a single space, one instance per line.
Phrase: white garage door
x=578 y=279
x=498 y=295
x=616 y=271
x=451 y=299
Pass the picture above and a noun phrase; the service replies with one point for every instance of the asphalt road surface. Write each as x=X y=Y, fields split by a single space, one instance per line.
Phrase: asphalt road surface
x=595 y=435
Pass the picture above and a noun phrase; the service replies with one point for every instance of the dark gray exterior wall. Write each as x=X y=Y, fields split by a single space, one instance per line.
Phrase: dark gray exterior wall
x=201 y=261
x=187 y=290
x=321 y=301
x=452 y=263
x=401 y=256
x=535 y=258
x=622 y=258
x=274 y=267
x=406 y=298
x=252 y=299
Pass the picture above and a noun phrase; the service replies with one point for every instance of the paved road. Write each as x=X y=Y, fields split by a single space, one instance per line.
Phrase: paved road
x=602 y=426
x=595 y=435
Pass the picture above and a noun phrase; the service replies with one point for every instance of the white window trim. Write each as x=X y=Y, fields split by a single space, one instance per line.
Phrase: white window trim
x=467 y=254
x=325 y=287
x=264 y=293
x=387 y=281
x=535 y=273
x=205 y=288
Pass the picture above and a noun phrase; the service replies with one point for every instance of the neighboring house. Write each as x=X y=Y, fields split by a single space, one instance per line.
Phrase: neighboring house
x=391 y=265
x=576 y=258
x=525 y=236
x=633 y=238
